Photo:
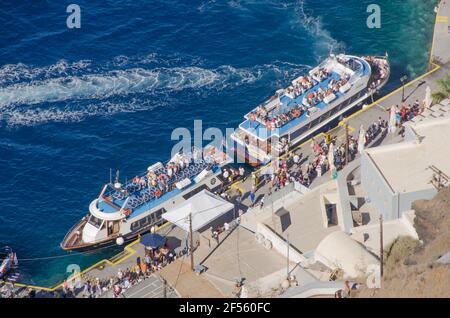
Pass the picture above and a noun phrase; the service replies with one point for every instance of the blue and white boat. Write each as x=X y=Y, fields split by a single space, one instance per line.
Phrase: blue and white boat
x=338 y=86
x=123 y=211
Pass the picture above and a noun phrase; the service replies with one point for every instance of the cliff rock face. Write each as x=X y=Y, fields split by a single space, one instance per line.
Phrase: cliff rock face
x=410 y=267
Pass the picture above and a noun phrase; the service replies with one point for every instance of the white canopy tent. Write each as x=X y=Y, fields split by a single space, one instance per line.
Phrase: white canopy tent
x=361 y=139
x=204 y=207
x=331 y=155
x=392 y=120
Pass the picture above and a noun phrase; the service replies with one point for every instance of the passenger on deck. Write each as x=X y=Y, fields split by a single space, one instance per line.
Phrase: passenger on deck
x=136 y=180
x=225 y=175
x=142 y=183
x=169 y=171
x=182 y=164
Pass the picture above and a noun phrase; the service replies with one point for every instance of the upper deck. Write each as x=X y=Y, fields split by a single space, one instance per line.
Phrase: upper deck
x=160 y=183
x=321 y=88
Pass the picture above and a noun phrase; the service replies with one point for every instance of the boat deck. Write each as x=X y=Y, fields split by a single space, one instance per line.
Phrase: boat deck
x=144 y=198
x=258 y=129
x=287 y=103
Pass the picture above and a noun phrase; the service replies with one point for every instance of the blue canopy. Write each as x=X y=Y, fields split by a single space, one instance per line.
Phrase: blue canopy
x=153 y=240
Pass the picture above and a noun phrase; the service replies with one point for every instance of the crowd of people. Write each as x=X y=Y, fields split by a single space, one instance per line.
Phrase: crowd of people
x=153 y=260
x=230 y=175
x=407 y=112
x=294 y=112
x=316 y=97
x=161 y=179
x=303 y=84
x=291 y=169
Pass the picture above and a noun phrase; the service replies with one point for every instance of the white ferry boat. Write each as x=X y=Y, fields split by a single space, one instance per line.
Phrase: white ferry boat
x=123 y=211
x=338 y=86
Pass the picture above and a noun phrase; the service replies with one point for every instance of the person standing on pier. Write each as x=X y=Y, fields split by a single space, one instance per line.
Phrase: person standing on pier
x=252 y=198
x=242 y=173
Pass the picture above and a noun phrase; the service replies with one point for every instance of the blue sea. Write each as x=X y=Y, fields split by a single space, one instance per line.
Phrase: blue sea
x=76 y=102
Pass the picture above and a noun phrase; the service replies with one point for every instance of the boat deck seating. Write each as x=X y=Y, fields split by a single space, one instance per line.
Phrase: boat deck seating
x=288 y=103
x=257 y=127
x=139 y=194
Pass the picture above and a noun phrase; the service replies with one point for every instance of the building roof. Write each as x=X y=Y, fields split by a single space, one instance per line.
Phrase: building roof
x=204 y=207
x=405 y=165
x=338 y=250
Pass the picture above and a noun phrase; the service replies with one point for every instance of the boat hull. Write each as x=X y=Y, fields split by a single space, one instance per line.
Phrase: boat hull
x=104 y=244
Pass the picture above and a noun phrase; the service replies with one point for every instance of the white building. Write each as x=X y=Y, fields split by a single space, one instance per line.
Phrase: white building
x=394 y=176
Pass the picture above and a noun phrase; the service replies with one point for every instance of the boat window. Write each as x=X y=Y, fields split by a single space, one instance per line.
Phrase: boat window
x=134 y=226
x=95 y=221
x=143 y=222
x=152 y=219
x=157 y=214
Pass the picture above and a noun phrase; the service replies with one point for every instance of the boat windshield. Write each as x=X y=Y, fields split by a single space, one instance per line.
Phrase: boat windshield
x=95 y=221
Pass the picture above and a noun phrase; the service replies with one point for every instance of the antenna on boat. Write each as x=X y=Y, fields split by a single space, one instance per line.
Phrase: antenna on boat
x=117 y=176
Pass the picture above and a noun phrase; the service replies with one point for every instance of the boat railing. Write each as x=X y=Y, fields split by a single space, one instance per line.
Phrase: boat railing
x=102 y=193
x=193 y=160
x=136 y=195
x=124 y=205
x=72 y=230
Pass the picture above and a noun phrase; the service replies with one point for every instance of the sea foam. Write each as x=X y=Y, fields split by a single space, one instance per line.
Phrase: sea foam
x=40 y=100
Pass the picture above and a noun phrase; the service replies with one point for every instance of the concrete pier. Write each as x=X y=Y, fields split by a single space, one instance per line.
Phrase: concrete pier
x=440 y=51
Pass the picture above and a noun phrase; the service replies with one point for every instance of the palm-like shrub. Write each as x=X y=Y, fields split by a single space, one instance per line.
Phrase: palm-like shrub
x=444 y=91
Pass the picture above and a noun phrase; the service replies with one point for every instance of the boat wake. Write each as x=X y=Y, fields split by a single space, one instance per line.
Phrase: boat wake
x=16 y=73
x=64 y=92
x=325 y=43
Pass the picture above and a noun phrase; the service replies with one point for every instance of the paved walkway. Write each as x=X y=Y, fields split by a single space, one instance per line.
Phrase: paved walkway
x=187 y=283
x=151 y=287
x=441 y=38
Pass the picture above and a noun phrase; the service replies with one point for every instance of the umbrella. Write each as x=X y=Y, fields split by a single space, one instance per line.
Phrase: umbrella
x=153 y=240
x=392 y=120
x=427 y=99
x=361 y=139
x=333 y=172
x=331 y=155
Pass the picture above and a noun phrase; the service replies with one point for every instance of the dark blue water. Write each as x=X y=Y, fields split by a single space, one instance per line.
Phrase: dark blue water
x=76 y=102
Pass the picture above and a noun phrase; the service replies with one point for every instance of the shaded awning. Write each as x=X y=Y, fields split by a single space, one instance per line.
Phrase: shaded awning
x=204 y=207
